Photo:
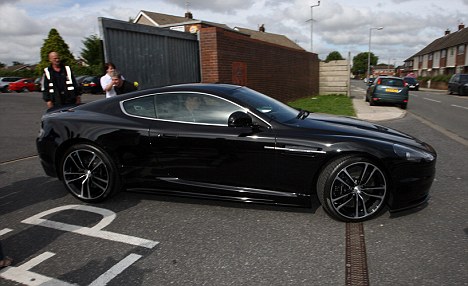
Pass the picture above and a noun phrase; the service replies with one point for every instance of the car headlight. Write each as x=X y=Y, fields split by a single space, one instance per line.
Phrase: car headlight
x=412 y=154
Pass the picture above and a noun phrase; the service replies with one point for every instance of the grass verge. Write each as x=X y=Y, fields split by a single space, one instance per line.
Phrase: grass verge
x=337 y=104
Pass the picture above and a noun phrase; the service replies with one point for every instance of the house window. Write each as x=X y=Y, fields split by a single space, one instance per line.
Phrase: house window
x=430 y=57
x=443 y=53
x=461 y=49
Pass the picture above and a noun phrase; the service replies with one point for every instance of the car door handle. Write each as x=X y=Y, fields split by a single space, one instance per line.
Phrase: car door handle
x=165 y=135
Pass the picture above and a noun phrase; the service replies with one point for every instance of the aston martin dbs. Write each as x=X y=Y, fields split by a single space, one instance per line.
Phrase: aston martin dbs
x=233 y=143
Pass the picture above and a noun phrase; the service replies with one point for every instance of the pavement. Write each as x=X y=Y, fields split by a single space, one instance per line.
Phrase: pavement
x=377 y=113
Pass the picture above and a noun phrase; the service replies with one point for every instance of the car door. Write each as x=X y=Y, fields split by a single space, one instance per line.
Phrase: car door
x=198 y=148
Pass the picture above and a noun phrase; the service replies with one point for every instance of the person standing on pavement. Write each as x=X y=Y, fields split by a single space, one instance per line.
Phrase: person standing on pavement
x=106 y=80
x=59 y=86
x=121 y=86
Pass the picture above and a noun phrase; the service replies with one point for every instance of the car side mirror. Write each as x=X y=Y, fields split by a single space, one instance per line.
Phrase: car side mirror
x=239 y=119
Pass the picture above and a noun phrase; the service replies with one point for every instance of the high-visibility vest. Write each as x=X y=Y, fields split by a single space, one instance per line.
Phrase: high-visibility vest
x=68 y=82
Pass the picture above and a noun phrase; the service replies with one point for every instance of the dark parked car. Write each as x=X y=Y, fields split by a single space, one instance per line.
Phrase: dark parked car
x=412 y=83
x=91 y=84
x=22 y=85
x=38 y=84
x=458 y=83
x=5 y=82
x=233 y=143
x=388 y=89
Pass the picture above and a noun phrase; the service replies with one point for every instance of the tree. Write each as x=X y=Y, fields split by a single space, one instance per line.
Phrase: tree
x=55 y=43
x=360 y=63
x=334 y=56
x=16 y=63
x=2 y=65
x=92 y=54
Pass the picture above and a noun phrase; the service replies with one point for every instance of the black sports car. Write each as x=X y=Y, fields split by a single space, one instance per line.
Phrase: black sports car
x=231 y=142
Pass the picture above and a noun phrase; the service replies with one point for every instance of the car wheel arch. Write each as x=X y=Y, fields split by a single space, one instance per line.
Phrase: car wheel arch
x=89 y=172
x=62 y=149
x=336 y=162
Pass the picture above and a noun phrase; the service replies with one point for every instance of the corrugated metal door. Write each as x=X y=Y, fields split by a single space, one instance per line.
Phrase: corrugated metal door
x=151 y=56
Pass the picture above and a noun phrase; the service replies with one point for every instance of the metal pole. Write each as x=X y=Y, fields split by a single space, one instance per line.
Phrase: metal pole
x=312 y=26
x=368 y=54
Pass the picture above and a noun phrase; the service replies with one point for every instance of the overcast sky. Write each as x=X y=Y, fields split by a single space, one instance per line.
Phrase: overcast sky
x=338 y=25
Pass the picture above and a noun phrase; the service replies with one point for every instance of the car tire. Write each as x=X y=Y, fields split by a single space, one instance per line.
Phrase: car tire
x=366 y=98
x=352 y=188
x=404 y=105
x=25 y=89
x=89 y=173
x=371 y=102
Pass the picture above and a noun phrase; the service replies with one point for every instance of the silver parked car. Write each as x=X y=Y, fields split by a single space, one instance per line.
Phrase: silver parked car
x=5 y=82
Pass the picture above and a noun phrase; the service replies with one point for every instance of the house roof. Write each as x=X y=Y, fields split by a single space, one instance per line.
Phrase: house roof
x=451 y=40
x=166 y=21
x=270 y=38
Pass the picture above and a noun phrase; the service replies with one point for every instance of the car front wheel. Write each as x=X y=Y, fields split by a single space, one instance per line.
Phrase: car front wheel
x=352 y=189
x=89 y=174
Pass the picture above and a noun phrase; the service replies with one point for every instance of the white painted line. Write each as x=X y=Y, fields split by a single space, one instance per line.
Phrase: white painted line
x=459 y=106
x=432 y=100
x=95 y=231
x=36 y=261
x=115 y=270
x=21 y=274
x=5 y=231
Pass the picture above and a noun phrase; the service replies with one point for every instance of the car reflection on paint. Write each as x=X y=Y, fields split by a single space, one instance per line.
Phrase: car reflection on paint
x=233 y=143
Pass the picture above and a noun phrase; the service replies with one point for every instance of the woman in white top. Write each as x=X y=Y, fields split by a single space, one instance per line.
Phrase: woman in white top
x=106 y=80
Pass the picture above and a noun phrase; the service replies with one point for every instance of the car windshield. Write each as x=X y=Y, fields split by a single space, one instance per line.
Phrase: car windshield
x=272 y=108
x=391 y=82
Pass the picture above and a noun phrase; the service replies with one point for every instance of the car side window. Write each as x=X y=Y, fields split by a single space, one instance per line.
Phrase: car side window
x=141 y=106
x=194 y=108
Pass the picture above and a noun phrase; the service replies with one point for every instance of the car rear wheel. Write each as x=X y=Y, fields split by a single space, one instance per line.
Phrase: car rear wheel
x=24 y=89
x=89 y=174
x=352 y=188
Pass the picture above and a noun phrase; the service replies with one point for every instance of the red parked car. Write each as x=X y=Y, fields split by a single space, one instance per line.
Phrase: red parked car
x=24 y=84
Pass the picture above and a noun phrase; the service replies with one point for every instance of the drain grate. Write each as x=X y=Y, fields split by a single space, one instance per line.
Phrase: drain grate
x=356 y=260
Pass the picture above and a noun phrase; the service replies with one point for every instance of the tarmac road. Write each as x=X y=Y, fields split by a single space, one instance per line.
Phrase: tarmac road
x=143 y=239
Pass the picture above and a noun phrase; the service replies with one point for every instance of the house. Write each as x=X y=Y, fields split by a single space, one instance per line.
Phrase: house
x=444 y=56
x=267 y=62
x=189 y=24
x=177 y=23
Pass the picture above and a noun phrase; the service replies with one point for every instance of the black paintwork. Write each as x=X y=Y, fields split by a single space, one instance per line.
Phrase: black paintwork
x=269 y=161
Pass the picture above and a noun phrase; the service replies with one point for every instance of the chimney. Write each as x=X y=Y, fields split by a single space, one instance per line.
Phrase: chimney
x=188 y=15
x=461 y=26
x=262 y=28
x=447 y=32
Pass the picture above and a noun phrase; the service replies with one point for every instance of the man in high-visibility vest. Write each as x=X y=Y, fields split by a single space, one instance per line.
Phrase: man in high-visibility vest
x=59 y=86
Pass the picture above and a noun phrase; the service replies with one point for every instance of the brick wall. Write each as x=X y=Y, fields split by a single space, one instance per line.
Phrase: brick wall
x=280 y=72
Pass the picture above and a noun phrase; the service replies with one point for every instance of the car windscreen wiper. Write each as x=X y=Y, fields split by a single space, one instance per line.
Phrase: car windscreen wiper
x=302 y=114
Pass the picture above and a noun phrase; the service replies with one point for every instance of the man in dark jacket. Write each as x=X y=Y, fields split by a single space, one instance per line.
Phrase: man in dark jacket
x=59 y=86
x=121 y=86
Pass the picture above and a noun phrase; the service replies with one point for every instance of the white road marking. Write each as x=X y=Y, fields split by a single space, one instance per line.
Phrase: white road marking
x=5 y=231
x=459 y=106
x=432 y=100
x=95 y=231
x=21 y=274
x=115 y=270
